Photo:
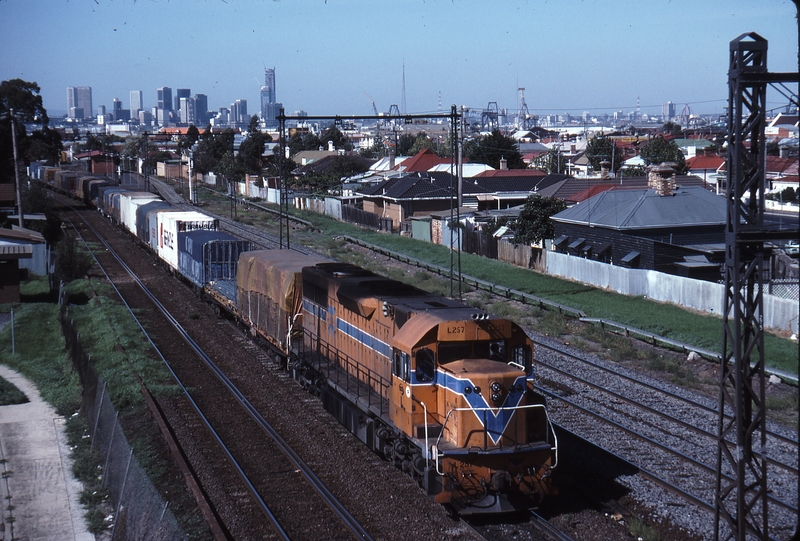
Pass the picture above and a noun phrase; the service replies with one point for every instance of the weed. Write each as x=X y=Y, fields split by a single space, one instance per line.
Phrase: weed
x=9 y=394
x=641 y=530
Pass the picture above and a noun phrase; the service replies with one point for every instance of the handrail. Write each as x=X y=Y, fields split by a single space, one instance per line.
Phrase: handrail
x=424 y=416
x=553 y=447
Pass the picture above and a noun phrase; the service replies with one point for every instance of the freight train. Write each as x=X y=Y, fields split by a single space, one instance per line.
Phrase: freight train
x=443 y=390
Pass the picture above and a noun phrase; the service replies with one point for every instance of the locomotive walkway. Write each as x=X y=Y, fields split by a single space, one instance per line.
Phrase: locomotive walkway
x=36 y=471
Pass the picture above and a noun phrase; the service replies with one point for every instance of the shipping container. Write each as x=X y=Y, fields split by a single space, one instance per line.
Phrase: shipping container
x=104 y=202
x=209 y=256
x=128 y=203
x=153 y=219
x=172 y=223
x=90 y=196
x=269 y=291
x=142 y=220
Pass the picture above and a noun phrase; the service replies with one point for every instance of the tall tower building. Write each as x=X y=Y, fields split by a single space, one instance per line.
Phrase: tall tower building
x=165 y=98
x=136 y=103
x=270 y=108
x=668 y=111
x=269 y=84
x=181 y=93
x=201 y=109
x=79 y=102
x=239 y=114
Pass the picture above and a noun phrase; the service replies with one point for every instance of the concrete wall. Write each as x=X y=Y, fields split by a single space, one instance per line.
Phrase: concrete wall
x=700 y=295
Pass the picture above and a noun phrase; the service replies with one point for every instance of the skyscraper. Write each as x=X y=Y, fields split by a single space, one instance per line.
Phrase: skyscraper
x=201 y=109
x=270 y=108
x=239 y=113
x=79 y=102
x=181 y=93
x=136 y=103
x=165 y=98
x=269 y=84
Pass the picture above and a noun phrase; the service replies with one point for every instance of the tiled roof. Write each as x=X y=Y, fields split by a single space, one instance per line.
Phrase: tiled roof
x=425 y=159
x=779 y=165
x=705 y=162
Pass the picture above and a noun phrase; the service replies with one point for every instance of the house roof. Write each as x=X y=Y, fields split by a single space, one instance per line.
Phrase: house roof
x=424 y=160
x=512 y=173
x=645 y=209
x=705 y=162
x=414 y=186
x=325 y=164
x=775 y=164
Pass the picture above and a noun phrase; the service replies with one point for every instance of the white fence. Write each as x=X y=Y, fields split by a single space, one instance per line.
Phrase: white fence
x=700 y=295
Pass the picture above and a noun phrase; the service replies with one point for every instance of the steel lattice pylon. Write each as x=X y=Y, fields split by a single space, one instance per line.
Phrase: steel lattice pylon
x=741 y=497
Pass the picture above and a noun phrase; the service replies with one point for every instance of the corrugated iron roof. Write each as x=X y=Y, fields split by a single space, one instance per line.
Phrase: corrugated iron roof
x=645 y=209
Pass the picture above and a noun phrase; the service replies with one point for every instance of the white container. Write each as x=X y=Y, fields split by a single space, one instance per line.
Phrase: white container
x=171 y=223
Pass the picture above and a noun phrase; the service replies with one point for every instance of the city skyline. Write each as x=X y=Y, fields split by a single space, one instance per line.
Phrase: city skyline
x=570 y=56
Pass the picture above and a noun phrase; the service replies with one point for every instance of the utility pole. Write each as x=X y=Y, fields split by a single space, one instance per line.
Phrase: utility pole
x=16 y=167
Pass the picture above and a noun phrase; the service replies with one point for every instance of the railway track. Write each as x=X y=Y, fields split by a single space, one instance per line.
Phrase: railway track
x=266 y=461
x=668 y=435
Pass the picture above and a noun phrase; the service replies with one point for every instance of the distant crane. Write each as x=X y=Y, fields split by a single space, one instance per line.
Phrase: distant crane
x=374 y=108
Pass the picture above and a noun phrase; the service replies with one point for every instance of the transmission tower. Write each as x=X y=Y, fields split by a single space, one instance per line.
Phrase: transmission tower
x=403 y=98
x=742 y=450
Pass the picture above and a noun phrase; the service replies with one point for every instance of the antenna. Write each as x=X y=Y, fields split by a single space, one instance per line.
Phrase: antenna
x=403 y=101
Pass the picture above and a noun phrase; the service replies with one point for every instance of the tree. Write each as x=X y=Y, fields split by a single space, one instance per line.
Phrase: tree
x=658 y=150
x=44 y=145
x=533 y=224
x=490 y=149
x=553 y=161
x=189 y=140
x=421 y=142
x=340 y=141
x=23 y=98
x=249 y=159
x=600 y=149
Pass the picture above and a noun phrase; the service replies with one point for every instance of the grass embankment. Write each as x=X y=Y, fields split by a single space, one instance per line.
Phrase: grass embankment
x=667 y=320
x=118 y=350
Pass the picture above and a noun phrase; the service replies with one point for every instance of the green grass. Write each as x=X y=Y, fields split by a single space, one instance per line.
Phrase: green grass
x=667 y=320
x=10 y=394
x=119 y=351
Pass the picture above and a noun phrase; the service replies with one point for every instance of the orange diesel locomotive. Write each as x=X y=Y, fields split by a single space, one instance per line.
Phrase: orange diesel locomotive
x=443 y=390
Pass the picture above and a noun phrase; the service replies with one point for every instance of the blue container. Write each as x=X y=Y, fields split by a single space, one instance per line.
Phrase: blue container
x=209 y=256
x=142 y=225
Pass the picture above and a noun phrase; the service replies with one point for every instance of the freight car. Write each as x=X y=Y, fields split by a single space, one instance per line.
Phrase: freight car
x=443 y=390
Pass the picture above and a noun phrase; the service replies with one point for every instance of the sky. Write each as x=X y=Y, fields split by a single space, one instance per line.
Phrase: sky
x=333 y=57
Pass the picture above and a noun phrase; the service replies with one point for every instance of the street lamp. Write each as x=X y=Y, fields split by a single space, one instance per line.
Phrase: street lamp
x=16 y=167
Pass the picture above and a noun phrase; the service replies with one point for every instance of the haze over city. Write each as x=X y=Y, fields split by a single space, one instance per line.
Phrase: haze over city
x=334 y=56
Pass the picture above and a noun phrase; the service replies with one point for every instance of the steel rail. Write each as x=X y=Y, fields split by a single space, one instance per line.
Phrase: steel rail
x=548 y=529
x=658 y=413
x=330 y=499
x=666 y=484
x=650 y=386
x=240 y=472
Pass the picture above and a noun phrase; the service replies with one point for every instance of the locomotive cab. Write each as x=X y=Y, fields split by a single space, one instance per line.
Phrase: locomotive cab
x=463 y=391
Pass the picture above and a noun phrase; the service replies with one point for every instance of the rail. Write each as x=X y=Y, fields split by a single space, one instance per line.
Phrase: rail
x=657 y=340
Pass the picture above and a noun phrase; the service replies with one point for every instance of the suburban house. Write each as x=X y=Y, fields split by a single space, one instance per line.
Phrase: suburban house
x=671 y=229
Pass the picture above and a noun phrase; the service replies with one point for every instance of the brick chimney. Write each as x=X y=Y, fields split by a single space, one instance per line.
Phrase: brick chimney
x=604 y=168
x=661 y=178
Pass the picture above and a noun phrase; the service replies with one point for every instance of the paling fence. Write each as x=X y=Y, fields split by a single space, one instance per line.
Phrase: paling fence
x=140 y=513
